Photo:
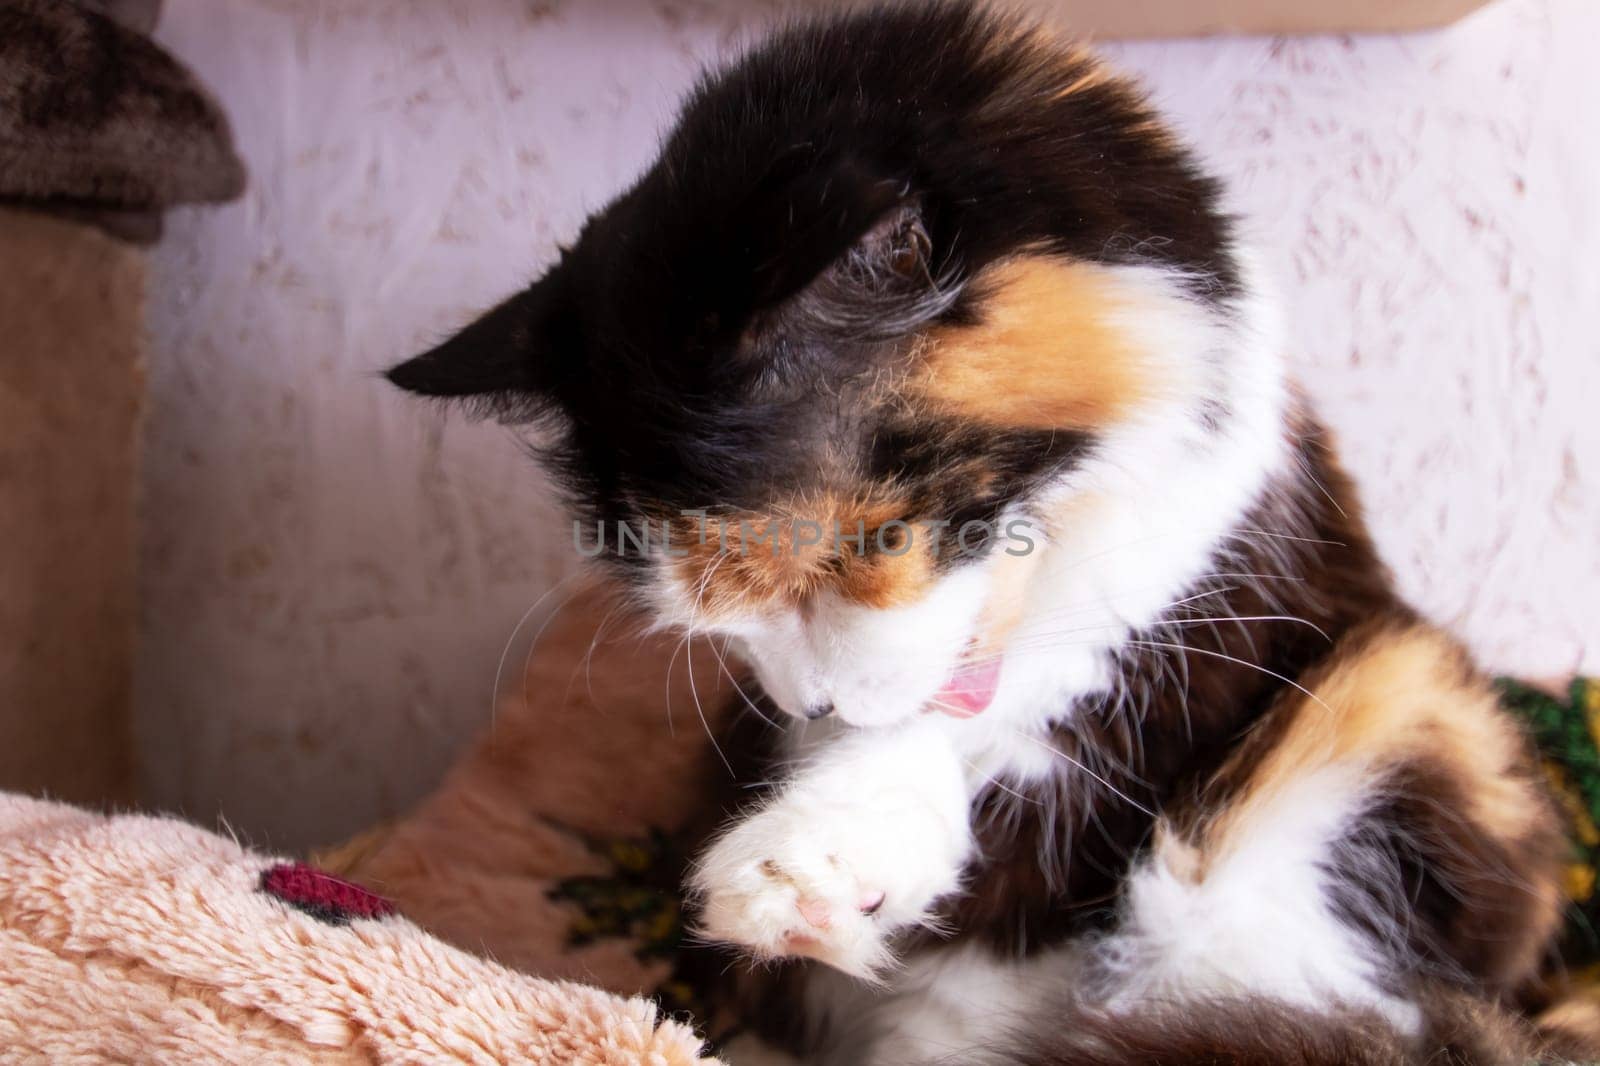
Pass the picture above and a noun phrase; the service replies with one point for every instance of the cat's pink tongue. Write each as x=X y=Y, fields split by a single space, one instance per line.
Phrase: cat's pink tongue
x=969 y=690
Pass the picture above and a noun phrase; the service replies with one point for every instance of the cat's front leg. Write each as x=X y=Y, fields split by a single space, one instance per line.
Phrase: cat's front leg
x=857 y=845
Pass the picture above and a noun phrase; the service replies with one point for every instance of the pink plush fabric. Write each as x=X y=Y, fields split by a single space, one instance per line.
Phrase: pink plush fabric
x=144 y=940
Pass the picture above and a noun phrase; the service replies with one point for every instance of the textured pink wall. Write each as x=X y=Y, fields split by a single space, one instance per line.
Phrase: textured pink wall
x=331 y=573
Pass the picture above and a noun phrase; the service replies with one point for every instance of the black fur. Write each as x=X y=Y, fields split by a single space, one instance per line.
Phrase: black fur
x=719 y=338
x=816 y=205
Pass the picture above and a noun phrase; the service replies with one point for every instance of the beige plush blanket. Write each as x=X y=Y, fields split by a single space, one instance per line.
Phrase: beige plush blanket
x=144 y=940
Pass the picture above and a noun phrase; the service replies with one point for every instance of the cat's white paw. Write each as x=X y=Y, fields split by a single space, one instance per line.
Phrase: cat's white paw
x=776 y=889
x=828 y=882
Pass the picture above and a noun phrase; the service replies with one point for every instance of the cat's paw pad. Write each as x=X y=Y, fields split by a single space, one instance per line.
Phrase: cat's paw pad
x=780 y=887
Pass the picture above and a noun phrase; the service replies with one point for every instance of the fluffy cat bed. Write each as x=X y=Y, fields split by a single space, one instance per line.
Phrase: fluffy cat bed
x=550 y=848
x=143 y=940
x=556 y=842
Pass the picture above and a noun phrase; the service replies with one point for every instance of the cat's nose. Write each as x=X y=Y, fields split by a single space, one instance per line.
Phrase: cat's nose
x=819 y=710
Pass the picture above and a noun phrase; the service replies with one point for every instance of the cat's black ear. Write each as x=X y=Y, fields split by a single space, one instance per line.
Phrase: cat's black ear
x=894 y=252
x=884 y=285
x=507 y=351
x=810 y=213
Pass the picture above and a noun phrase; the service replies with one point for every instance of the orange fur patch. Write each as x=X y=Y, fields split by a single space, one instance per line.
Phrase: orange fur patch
x=1046 y=353
x=1405 y=695
x=791 y=553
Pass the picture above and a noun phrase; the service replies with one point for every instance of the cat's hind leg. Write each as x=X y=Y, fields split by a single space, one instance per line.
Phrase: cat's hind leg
x=1385 y=823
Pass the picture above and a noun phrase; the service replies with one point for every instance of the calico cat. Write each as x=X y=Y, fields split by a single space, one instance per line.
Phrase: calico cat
x=932 y=357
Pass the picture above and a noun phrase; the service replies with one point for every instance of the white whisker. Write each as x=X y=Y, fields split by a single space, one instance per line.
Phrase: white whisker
x=499 y=670
x=995 y=781
x=694 y=691
x=1242 y=662
x=723 y=662
x=1052 y=749
x=1289 y=536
